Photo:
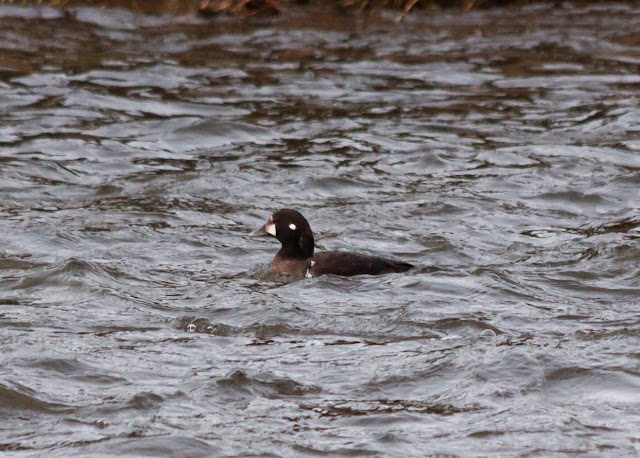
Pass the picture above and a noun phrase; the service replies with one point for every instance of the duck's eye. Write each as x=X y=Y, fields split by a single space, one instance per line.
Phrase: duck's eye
x=292 y=227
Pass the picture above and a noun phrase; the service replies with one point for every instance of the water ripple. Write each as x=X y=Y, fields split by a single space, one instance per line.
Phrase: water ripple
x=496 y=150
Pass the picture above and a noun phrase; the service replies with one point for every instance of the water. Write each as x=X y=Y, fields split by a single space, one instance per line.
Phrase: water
x=499 y=151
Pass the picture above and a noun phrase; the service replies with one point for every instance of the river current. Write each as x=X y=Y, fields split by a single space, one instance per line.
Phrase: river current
x=498 y=151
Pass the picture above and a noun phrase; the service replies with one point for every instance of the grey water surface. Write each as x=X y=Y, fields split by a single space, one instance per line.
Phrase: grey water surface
x=498 y=151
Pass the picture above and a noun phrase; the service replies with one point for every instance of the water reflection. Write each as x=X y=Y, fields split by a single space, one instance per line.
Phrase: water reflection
x=496 y=150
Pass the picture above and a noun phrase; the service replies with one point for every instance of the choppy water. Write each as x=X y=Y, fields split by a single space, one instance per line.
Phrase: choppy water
x=499 y=151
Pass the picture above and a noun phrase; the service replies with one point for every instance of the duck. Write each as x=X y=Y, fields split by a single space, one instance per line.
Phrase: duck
x=296 y=258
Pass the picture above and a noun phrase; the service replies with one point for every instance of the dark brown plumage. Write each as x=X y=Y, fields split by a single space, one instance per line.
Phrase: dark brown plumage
x=296 y=257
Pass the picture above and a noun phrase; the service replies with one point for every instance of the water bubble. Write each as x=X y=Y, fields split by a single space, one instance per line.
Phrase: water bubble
x=191 y=328
x=488 y=333
x=203 y=164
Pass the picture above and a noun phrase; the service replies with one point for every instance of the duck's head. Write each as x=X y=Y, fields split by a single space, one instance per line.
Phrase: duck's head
x=292 y=230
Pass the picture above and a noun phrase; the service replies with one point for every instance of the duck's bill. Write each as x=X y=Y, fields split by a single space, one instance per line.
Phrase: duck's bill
x=267 y=229
x=262 y=232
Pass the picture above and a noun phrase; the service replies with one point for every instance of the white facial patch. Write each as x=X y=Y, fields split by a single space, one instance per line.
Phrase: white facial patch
x=308 y=274
x=270 y=228
x=292 y=227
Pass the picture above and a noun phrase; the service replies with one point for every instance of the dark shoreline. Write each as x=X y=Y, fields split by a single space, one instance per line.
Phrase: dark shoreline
x=252 y=7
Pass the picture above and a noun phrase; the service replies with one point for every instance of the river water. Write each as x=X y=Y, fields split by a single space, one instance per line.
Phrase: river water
x=499 y=151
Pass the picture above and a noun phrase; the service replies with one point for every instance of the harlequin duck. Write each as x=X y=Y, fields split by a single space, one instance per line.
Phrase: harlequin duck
x=296 y=256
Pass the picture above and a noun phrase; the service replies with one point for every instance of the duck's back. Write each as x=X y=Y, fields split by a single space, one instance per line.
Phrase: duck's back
x=347 y=264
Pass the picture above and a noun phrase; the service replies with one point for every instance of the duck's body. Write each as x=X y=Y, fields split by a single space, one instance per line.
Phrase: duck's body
x=337 y=263
x=296 y=258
